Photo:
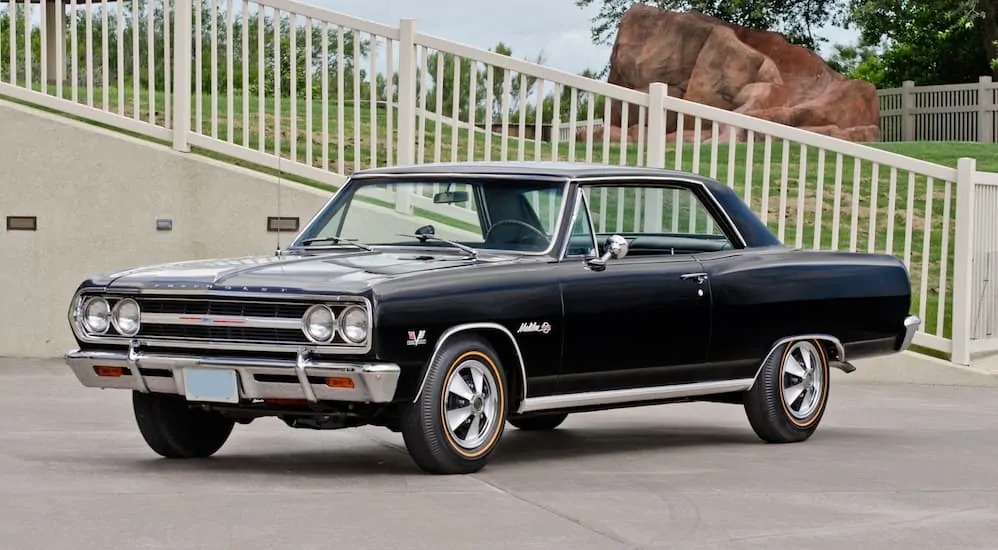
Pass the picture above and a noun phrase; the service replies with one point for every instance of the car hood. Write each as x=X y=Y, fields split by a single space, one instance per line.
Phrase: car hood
x=341 y=272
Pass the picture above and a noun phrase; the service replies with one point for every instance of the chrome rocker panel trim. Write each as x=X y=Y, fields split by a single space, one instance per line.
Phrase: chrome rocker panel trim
x=632 y=395
x=373 y=382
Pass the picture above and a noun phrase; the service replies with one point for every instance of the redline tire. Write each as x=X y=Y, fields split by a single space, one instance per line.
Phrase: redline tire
x=458 y=419
x=790 y=395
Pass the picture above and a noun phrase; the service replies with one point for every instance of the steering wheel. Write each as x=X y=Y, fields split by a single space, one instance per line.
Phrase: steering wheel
x=517 y=222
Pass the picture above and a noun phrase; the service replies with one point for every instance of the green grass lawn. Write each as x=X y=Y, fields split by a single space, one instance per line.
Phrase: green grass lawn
x=782 y=189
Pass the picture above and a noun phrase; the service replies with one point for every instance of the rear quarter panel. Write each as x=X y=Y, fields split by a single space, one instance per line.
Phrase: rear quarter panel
x=762 y=295
x=508 y=295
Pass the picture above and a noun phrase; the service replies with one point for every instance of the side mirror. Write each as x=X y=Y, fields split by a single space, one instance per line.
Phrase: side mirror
x=615 y=247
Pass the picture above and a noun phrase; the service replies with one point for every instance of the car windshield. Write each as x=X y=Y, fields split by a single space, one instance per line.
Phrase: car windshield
x=499 y=214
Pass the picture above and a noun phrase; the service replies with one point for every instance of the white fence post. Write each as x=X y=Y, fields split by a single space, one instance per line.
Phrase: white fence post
x=907 y=107
x=55 y=42
x=182 y=75
x=985 y=108
x=406 y=106
x=655 y=158
x=963 y=260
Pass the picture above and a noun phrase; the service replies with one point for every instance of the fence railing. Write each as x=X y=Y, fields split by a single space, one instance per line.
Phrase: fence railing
x=320 y=94
x=951 y=112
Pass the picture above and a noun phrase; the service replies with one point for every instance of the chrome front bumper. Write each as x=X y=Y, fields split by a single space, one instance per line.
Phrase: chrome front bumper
x=911 y=324
x=302 y=378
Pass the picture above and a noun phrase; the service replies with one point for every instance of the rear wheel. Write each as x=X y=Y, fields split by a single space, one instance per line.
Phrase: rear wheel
x=539 y=423
x=457 y=420
x=175 y=430
x=788 y=399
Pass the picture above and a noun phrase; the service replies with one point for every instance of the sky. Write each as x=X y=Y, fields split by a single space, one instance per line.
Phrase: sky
x=558 y=28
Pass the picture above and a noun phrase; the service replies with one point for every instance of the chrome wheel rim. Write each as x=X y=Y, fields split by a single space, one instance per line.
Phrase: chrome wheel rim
x=471 y=404
x=803 y=380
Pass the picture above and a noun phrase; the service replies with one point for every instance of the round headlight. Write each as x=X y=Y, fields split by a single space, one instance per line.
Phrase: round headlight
x=353 y=324
x=96 y=315
x=319 y=324
x=125 y=317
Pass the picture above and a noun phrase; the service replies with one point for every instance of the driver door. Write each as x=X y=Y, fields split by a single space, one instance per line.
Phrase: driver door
x=642 y=321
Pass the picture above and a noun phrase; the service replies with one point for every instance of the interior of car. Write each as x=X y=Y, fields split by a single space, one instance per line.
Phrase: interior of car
x=681 y=208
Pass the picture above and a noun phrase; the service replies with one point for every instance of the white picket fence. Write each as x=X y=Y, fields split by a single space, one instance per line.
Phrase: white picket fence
x=950 y=112
x=125 y=65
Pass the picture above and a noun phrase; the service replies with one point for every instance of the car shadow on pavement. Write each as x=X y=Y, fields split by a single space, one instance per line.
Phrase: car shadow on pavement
x=384 y=457
x=565 y=443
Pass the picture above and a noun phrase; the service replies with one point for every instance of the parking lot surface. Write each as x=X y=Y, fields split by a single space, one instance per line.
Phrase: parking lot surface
x=892 y=466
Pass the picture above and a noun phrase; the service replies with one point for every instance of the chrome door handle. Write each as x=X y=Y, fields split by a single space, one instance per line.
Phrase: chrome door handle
x=700 y=277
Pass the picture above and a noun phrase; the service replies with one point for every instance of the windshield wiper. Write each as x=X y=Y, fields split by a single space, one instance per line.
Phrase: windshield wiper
x=336 y=240
x=425 y=237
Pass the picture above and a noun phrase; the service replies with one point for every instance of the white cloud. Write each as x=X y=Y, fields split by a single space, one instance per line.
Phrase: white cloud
x=558 y=28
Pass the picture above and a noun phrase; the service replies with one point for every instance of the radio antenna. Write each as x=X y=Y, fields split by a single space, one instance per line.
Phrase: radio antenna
x=280 y=220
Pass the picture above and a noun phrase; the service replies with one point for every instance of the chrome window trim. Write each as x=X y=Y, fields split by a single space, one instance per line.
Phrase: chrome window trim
x=580 y=195
x=566 y=187
x=474 y=326
x=665 y=180
x=447 y=174
x=339 y=348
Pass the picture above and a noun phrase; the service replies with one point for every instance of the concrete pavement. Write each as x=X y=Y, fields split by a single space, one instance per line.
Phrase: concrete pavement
x=892 y=466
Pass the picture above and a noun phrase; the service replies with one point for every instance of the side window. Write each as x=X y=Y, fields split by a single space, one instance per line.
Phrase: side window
x=656 y=219
x=580 y=240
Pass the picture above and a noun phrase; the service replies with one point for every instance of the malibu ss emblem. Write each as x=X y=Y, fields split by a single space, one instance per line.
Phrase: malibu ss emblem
x=533 y=326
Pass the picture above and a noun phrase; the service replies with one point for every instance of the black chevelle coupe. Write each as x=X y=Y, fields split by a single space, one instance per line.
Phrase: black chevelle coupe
x=445 y=300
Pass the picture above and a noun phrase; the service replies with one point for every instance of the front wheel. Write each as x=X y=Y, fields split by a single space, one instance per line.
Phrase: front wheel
x=175 y=430
x=789 y=396
x=457 y=420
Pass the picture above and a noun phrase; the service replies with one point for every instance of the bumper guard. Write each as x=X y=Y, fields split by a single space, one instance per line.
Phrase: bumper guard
x=911 y=324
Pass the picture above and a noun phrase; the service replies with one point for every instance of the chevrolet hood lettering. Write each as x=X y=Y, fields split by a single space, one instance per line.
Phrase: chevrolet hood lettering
x=347 y=271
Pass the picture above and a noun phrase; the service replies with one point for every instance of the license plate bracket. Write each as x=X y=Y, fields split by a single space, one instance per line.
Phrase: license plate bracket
x=214 y=385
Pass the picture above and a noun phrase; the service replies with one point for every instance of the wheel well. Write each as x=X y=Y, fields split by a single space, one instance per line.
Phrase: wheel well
x=831 y=349
x=830 y=345
x=509 y=358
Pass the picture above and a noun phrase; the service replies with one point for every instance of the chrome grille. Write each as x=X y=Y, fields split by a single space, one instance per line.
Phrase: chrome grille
x=195 y=332
x=207 y=320
x=222 y=307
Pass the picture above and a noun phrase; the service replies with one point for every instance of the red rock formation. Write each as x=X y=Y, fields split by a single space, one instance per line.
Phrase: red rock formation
x=757 y=73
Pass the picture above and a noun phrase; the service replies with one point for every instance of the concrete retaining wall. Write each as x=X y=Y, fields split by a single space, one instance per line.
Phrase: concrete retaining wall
x=97 y=195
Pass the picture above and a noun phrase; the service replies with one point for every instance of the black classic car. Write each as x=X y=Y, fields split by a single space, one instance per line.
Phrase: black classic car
x=444 y=301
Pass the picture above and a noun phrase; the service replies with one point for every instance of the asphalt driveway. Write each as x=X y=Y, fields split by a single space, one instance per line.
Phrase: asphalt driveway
x=892 y=466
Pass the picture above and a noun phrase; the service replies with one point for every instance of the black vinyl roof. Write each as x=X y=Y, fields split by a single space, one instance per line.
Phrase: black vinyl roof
x=567 y=170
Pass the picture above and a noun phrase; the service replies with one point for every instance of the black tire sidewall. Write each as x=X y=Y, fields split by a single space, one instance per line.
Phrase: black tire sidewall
x=173 y=429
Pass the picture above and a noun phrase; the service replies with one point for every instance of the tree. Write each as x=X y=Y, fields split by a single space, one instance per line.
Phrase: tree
x=859 y=61
x=796 y=19
x=928 y=41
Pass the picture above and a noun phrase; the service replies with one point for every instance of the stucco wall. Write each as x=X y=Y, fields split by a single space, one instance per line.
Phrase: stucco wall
x=97 y=196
